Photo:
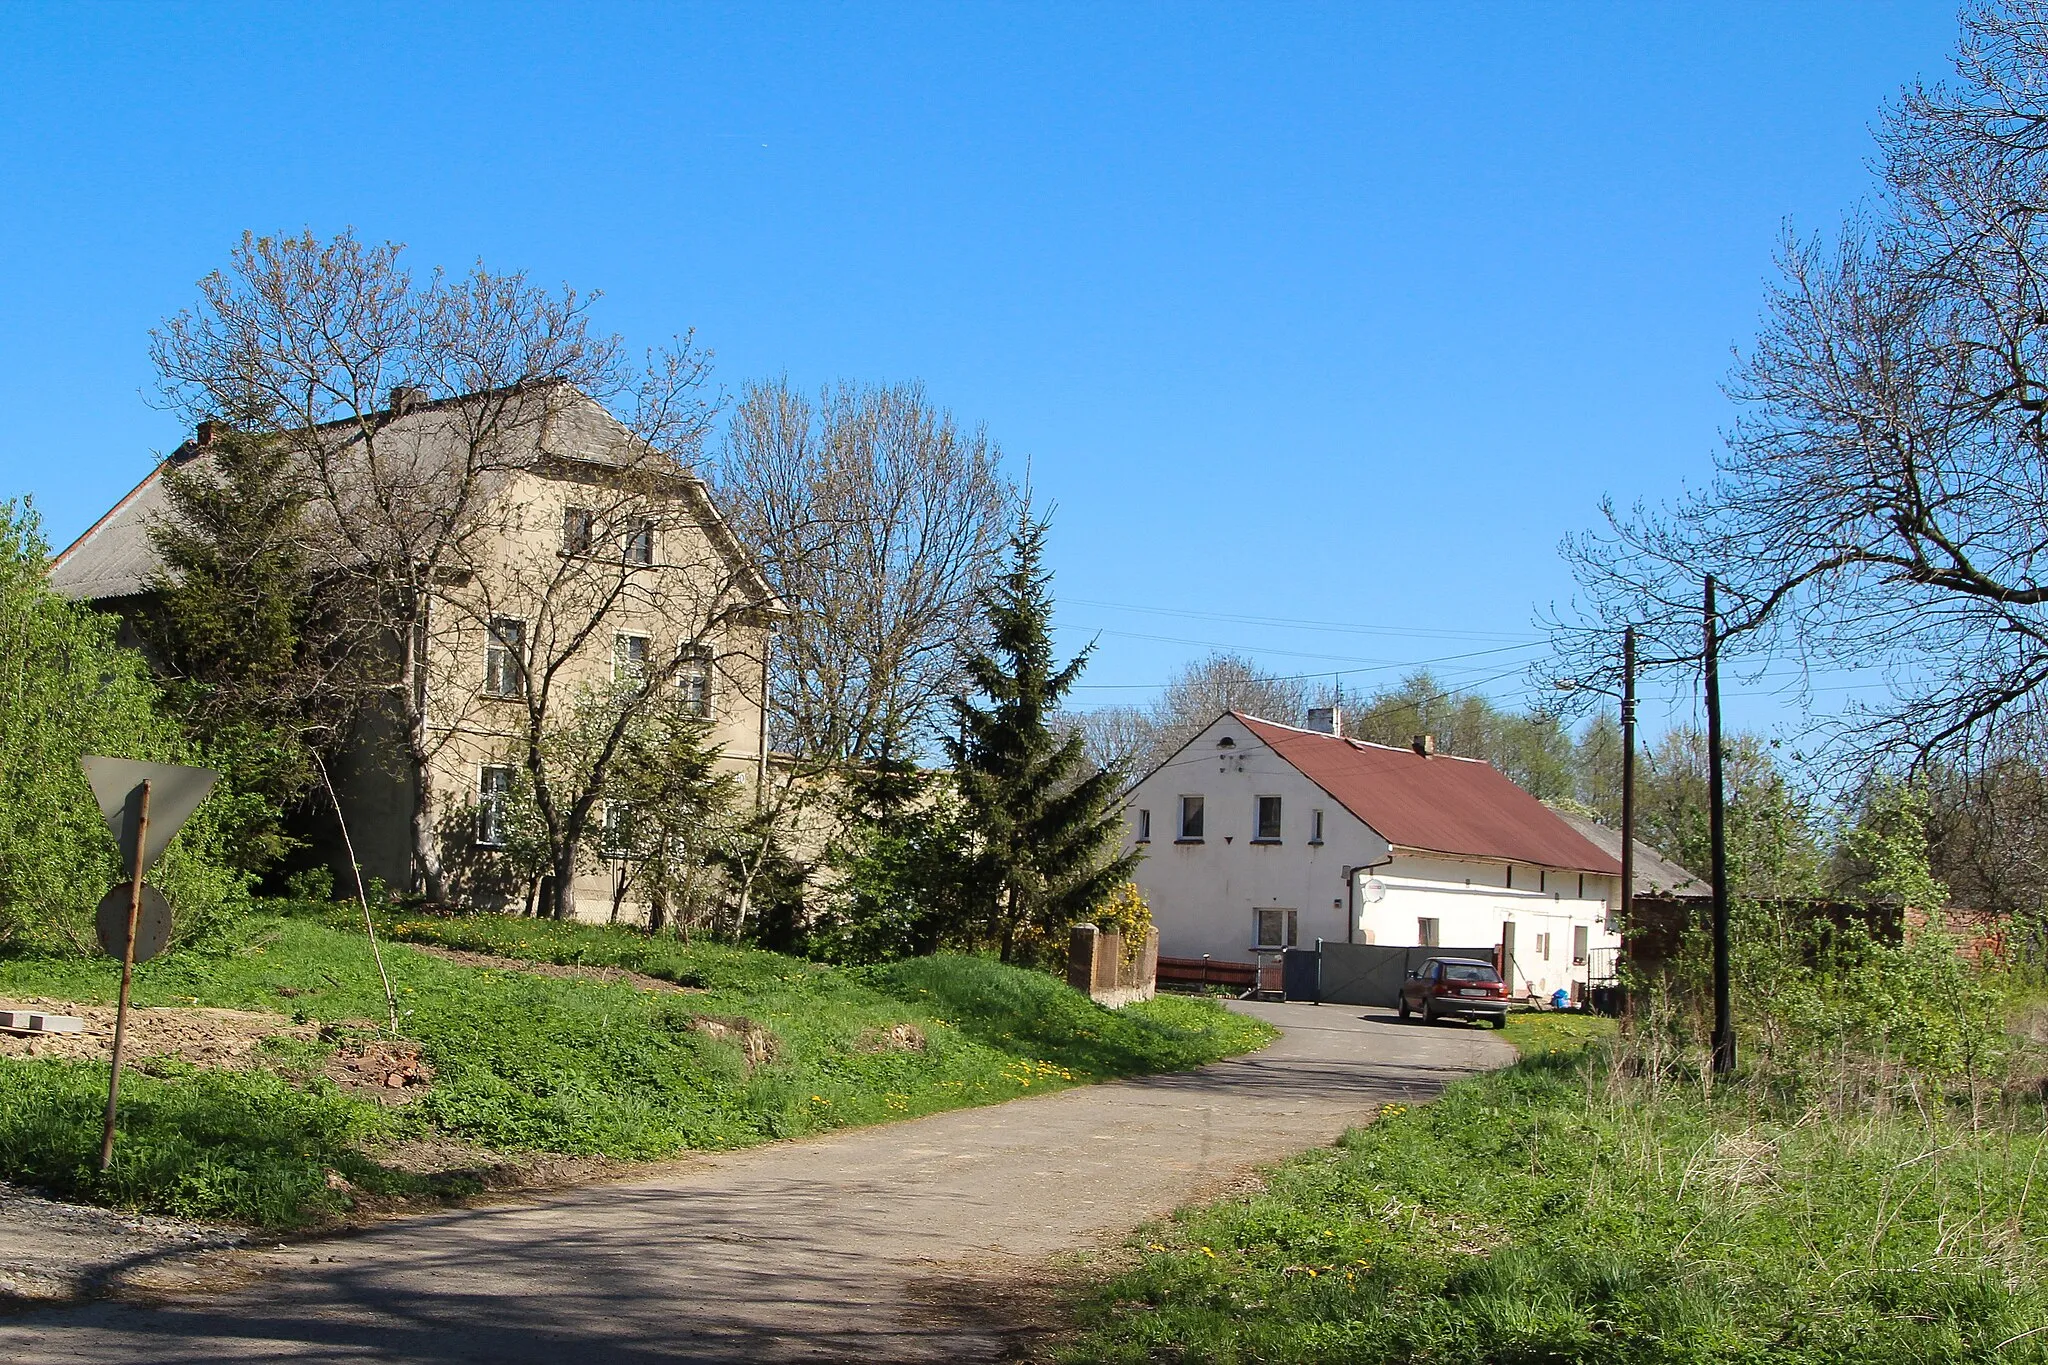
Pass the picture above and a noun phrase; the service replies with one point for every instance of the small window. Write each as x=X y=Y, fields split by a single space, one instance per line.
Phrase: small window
x=493 y=801
x=693 y=680
x=1580 y=936
x=1276 y=929
x=1267 y=830
x=1144 y=826
x=577 y=530
x=1191 y=818
x=617 y=835
x=1315 y=827
x=640 y=543
x=1426 y=931
x=629 y=657
x=1543 y=947
x=505 y=658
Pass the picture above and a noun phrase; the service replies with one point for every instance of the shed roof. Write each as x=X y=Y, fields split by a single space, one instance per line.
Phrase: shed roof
x=1434 y=804
x=1656 y=875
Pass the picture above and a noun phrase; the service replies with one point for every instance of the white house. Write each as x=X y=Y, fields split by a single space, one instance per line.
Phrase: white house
x=1260 y=835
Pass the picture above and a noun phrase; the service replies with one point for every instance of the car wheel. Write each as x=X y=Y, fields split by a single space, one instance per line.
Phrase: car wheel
x=1428 y=1013
x=1403 y=1004
x=1500 y=1021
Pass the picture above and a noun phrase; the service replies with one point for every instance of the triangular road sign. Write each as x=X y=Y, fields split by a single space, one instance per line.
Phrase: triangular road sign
x=175 y=791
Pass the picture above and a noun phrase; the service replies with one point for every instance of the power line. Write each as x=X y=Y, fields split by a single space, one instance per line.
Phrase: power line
x=1365 y=665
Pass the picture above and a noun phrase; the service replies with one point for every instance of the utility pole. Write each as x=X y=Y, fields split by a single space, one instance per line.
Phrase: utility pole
x=1628 y=772
x=1724 y=1022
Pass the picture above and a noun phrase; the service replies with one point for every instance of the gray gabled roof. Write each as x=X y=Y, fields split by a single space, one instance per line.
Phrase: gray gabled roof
x=116 y=558
x=1656 y=875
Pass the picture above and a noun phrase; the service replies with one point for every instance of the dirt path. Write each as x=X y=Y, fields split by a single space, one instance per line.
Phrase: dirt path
x=911 y=1241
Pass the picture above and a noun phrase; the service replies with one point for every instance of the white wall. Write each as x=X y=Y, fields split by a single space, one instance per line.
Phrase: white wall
x=1203 y=895
x=1471 y=900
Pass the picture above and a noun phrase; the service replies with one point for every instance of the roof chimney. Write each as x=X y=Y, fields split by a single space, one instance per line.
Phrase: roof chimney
x=1326 y=720
x=202 y=436
x=1425 y=745
x=406 y=397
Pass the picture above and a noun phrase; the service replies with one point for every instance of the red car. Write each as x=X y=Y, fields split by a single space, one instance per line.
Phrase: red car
x=1455 y=988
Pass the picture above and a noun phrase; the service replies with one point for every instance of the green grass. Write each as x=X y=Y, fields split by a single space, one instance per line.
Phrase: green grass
x=1538 y=1033
x=526 y=1062
x=1561 y=1211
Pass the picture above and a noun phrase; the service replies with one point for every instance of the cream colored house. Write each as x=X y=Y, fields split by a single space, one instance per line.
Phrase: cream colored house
x=588 y=566
x=1262 y=836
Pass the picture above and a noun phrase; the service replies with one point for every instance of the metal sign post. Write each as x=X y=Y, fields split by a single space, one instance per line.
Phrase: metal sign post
x=126 y=791
x=127 y=971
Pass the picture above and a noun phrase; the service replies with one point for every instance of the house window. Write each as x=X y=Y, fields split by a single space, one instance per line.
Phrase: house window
x=1315 y=827
x=640 y=543
x=617 y=835
x=577 y=524
x=1144 y=826
x=1267 y=830
x=1276 y=929
x=1580 y=936
x=1426 y=931
x=493 y=801
x=629 y=657
x=693 y=680
x=1543 y=947
x=1191 y=819
x=504 y=658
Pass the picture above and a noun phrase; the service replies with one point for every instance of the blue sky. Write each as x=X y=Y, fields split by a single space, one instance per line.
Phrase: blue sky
x=1339 y=314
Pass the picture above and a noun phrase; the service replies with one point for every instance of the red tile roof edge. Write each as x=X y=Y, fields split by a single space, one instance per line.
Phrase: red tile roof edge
x=1441 y=803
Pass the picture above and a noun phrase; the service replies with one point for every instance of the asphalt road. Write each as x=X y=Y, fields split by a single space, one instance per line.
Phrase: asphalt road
x=905 y=1242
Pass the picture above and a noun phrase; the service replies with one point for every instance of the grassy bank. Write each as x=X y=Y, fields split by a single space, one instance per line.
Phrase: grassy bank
x=524 y=1062
x=1563 y=1210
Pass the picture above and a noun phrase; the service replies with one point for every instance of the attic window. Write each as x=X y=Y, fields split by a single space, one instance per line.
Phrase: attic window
x=1226 y=743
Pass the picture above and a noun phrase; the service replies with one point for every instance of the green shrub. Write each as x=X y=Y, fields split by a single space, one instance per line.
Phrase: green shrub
x=67 y=688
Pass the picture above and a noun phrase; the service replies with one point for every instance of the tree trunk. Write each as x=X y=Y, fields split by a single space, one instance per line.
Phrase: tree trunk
x=426 y=845
x=564 y=907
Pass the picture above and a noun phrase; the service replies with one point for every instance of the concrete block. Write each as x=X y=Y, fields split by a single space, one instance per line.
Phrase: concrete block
x=35 y=1021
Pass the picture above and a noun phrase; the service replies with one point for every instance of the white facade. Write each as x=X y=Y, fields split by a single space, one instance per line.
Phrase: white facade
x=1554 y=923
x=1207 y=891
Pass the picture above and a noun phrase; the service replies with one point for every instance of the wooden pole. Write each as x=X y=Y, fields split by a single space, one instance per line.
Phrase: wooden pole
x=127 y=976
x=1628 y=773
x=1717 y=829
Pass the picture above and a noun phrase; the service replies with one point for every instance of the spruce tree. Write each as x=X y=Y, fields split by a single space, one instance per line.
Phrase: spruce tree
x=1045 y=816
x=227 y=620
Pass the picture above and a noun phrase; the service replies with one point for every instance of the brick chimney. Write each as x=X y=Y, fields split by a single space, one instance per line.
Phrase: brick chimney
x=203 y=435
x=1425 y=745
x=1326 y=720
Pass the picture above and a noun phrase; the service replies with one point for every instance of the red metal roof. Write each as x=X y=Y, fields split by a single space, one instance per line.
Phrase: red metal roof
x=1438 y=804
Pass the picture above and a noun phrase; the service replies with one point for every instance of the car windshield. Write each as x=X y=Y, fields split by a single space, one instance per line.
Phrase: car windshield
x=1467 y=971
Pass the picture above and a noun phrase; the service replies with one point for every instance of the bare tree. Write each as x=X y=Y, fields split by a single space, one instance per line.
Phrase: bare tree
x=1882 y=499
x=609 y=605
x=328 y=345
x=1144 y=737
x=880 y=522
